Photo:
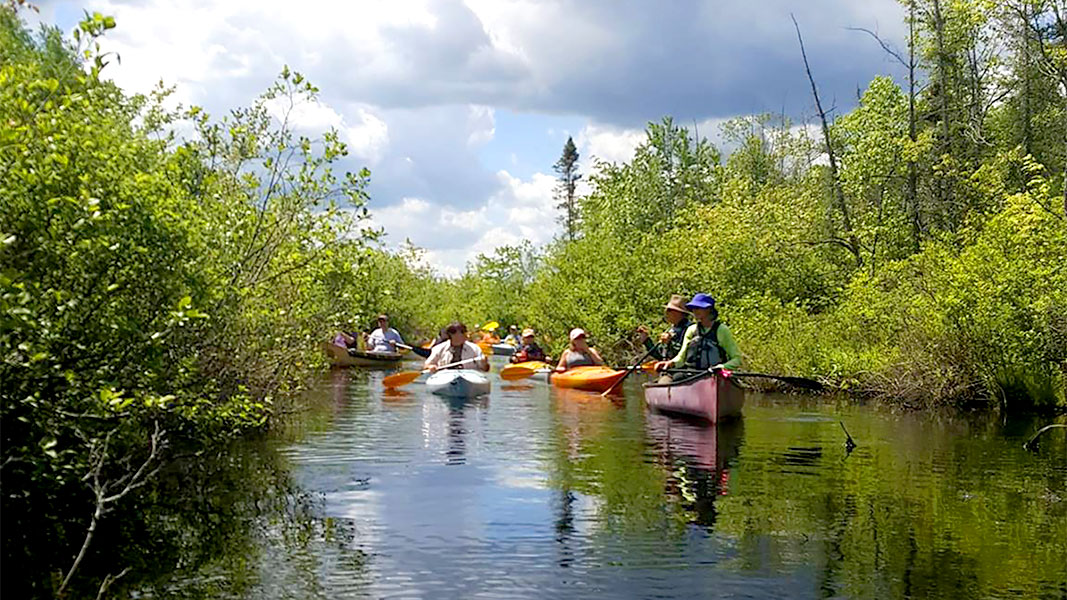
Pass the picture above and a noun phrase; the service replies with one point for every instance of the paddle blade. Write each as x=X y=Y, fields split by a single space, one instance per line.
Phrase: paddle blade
x=399 y=379
x=801 y=382
x=648 y=367
x=490 y=326
x=516 y=372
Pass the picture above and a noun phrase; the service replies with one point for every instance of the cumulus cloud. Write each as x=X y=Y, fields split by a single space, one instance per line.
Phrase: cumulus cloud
x=414 y=85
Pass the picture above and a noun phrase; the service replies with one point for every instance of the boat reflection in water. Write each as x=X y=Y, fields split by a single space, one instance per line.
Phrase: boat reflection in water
x=458 y=428
x=698 y=456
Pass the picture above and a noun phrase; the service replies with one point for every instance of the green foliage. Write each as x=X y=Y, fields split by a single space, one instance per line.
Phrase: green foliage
x=148 y=281
x=957 y=293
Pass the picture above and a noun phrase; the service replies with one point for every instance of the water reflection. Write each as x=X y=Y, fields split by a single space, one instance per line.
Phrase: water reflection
x=538 y=492
x=698 y=455
x=458 y=411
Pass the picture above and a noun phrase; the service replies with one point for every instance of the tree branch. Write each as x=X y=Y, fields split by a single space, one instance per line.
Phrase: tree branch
x=885 y=45
x=101 y=490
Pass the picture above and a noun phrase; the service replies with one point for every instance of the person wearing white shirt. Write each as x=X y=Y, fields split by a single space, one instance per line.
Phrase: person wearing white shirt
x=384 y=338
x=455 y=349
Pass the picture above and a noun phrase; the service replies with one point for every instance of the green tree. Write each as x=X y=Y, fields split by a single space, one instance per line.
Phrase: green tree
x=567 y=170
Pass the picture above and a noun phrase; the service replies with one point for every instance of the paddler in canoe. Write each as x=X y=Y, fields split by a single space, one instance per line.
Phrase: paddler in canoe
x=384 y=339
x=579 y=354
x=707 y=343
x=670 y=341
x=455 y=349
x=528 y=349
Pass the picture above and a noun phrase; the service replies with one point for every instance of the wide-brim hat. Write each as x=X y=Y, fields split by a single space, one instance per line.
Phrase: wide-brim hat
x=527 y=332
x=701 y=301
x=677 y=303
x=576 y=333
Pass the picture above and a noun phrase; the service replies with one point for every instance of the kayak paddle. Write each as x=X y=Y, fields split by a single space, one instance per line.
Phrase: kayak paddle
x=406 y=377
x=637 y=365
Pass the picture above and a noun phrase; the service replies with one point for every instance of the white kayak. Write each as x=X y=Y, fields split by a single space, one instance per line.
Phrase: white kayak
x=503 y=349
x=458 y=383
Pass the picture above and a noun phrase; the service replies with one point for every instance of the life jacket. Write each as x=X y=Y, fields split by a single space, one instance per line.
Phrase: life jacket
x=527 y=353
x=670 y=349
x=579 y=359
x=704 y=350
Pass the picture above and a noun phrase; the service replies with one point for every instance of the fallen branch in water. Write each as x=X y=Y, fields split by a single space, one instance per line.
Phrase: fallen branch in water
x=109 y=492
x=849 y=443
x=1027 y=445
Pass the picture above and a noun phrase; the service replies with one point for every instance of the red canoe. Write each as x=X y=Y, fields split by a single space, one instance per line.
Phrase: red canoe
x=593 y=379
x=710 y=397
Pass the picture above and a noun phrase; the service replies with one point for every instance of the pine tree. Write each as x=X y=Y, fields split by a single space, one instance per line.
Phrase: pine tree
x=567 y=169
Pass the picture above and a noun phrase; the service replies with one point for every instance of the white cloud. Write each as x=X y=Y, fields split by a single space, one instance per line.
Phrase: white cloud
x=481 y=124
x=606 y=143
x=366 y=134
x=414 y=86
x=467 y=221
x=521 y=209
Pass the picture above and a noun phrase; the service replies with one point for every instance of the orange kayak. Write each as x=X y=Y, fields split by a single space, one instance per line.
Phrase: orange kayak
x=593 y=379
x=536 y=365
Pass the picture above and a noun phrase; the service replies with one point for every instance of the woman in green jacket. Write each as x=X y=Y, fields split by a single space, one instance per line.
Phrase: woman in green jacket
x=708 y=343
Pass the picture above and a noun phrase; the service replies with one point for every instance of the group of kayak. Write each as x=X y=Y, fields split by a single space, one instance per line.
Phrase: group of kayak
x=694 y=358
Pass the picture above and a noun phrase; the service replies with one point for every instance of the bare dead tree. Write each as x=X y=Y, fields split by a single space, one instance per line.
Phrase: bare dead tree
x=913 y=170
x=838 y=191
x=106 y=493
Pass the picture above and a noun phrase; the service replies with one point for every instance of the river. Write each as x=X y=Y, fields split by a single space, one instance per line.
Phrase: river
x=536 y=492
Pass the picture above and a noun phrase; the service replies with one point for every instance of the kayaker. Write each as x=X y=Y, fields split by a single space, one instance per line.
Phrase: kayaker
x=670 y=341
x=579 y=354
x=384 y=338
x=528 y=349
x=455 y=349
x=707 y=343
x=513 y=336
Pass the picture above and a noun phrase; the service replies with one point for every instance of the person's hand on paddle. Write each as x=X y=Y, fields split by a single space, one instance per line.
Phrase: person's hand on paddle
x=665 y=337
x=663 y=365
x=431 y=368
x=642 y=334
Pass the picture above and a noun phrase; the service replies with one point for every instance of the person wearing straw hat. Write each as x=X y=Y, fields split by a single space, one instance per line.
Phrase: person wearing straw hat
x=670 y=341
x=528 y=349
x=579 y=354
x=708 y=343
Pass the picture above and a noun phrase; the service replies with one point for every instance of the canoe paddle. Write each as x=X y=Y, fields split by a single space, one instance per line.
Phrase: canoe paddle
x=800 y=382
x=423 y=352
x=406 y=377
x=637 y=365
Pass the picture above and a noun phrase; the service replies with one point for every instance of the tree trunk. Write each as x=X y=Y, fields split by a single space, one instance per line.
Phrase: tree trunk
x=913 y=174
x=839 y=193
x=942 y=76
x=1027 y=134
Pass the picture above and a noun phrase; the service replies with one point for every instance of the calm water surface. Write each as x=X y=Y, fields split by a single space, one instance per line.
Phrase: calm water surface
x=536 y=492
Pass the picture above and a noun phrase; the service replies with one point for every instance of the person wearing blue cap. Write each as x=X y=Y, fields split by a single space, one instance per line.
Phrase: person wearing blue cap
x=708 y=343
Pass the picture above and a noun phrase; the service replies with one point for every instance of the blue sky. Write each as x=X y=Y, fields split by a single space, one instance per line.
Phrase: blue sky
x=460 y=107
